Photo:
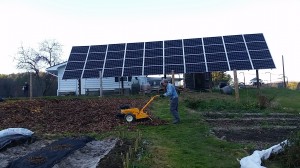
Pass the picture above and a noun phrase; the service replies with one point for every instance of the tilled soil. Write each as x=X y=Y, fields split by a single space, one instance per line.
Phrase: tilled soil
x=56 y=116
x=258 y=129
x=69 y=115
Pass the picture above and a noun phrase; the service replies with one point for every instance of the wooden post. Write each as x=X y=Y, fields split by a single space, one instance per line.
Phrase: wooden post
x=100 y=77
x=30 y=86
x=236 y=86
x=173 y=79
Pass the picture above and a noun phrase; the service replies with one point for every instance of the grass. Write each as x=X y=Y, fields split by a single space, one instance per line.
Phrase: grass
x=190 y=144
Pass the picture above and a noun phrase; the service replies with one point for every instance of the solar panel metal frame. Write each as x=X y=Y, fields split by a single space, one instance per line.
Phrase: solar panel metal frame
x=242 y=52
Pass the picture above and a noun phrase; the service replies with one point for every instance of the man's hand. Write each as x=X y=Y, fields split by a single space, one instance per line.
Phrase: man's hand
x=162 y=95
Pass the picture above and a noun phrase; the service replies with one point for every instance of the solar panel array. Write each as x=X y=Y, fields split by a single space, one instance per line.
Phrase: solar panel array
x=208 y=54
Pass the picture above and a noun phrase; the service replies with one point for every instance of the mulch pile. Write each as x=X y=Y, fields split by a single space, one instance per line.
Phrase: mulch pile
x=69 y=115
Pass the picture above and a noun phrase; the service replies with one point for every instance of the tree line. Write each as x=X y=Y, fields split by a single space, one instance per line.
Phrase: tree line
x=33 y=61
x=11 y=85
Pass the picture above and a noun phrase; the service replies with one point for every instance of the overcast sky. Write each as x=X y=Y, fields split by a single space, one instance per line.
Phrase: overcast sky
x=94 y=22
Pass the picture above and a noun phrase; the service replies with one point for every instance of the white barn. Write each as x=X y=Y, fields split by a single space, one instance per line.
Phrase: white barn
x=71 y=86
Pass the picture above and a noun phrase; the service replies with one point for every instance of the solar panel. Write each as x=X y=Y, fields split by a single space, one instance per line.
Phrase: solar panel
x=132 y=71
x=173 y=43
x=135 y=46
x=234 y=39
x=80 y=49
x=154 y=44
x=176 y=68
x=98 y=48
x=133 y=62
x=134 y=54
x=192 y=42
x=154 y=61
x=75 y=74
x=220 y=53
x=240 y=65
x=94 y=73
x=93 y=64
x=194 y=58
x=116 y=47
x=193 y=68
x=217 y=66
x=153 y=70
x=77 y=57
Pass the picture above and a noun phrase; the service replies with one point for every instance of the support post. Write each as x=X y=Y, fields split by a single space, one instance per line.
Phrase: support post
x=101 y=90
x=173 y=79
x=236 y=86
x=30 y=86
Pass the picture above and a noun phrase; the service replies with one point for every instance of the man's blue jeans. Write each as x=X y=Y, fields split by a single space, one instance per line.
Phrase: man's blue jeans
x=174 y=109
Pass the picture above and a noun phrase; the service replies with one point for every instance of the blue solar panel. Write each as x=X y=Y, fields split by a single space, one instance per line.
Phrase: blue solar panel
x=153 y=70
x=234 y=39
x=154 y=53
x=217 y=66
x=74 y=65
x=154 y=44
x=112 y=72
x=192 y=42
x=257 y=46
x=173 y=51
x=116 y=47
x=193 y=50
x=80 y=49
x=173 y=43
x=214 y=48
x=96 y=56
x=194 y=58
x=76 y=74
x=77 y=57
x=240 y=65
x=174 y=60
x=254 y=37
x=133 y=62
x=176 y=68
x=216 y=57
x=263 y=64
x=192 y=68
x=154 y=61
x=93 y=64
x=115 y=55
x=212 y=40
x=133 y=71
x=135 y=46
x=113 y=63
x=134 y=53
x=91 y=73
x=265 y=54
x=235 y=47
x=98 y=48
x=172 y=54
x=238 y=56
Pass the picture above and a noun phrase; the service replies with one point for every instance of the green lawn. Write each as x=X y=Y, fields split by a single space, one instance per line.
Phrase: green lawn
x=190 y=144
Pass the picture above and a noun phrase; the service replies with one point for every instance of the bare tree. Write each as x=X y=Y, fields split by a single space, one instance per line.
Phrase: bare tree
x=28 y=59
x=50 y=52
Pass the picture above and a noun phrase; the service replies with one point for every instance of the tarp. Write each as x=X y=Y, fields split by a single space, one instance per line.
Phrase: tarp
x=13 y=140
x=50 y=155
x=254 y=160
x=15 y=131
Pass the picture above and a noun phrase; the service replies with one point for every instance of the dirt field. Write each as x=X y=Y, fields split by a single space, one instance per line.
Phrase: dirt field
x=260 y=130
x=46 y=117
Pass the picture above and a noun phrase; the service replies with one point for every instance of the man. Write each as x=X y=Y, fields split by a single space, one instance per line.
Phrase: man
x=171 y=92
x=25 y=89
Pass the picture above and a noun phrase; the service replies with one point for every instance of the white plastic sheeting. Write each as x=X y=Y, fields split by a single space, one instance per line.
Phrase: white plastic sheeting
x=14 y=131
x=254 y=160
